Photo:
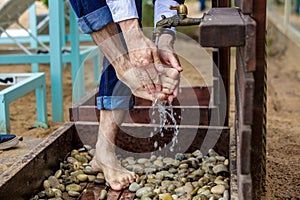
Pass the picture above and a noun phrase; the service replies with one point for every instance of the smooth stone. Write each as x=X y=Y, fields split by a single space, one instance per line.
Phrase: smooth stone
x=159 y=176
x=53 y=181
x=218 y=189
x=148 y=164
x=220 y=158
x=71 y=160
x=91 y=178
x=166 y=196
x=82 y=149
x=99 y=181
x=142 y=160
x=74 y=187
x=226 y=162
x=212 y=153
x=73 y=193
x=166 y=183
x=186 y=188
x=100 y=175
x=102 y=194
x=134 y=187
x=173 y=170
x=152 y=158
x=46 y=184
x=74 y=152
x=92 y=152
x=158 y=163
x=185 y=197
x=197 y=153
x=76 y=173
x=61 y=187
x=179 y=156
x=183 y=166
x=226 y=195
x=144 y=190
x=137 y=168
x=58 y=173
x=171 y=188
x=149 y=170
x=150 y=195
x=57 y=193
x=168 y=160
x=49 y=193
x=87 y=147
x=175 y=197
x=153 y=181
x=221 y=168
x=145 y=198
x=89 y=171
x=82 y=177
x=81 y=158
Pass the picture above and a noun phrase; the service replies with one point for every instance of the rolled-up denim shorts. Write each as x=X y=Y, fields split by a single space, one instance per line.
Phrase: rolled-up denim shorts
x=92 y=15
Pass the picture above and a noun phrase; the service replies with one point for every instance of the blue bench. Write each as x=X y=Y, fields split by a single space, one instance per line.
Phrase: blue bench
x=20 y=84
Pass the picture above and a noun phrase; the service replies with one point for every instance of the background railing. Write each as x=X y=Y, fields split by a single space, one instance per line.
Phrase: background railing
x=284 y=14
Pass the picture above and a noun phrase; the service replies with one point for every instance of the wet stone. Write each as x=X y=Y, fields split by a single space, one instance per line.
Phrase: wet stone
x=134 y=187
x=74 y=187
x=142 y=191
x=218 y=189
x=103 y=194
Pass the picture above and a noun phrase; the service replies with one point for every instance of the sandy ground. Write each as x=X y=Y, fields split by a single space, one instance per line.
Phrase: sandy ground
x=283 y=130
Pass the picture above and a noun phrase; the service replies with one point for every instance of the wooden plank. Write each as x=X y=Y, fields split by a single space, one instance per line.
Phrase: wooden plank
x=93 y=192
x=245 y=87
x=245 y=187
x=113 y=194
x=188 y=96
x=246 y=6
x=249 y=50
x=127 y=195
x=258 y=142
x=143 y=114
x=222 y=27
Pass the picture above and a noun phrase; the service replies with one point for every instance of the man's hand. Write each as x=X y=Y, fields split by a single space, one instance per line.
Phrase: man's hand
x=143 y=54
x=168 y=57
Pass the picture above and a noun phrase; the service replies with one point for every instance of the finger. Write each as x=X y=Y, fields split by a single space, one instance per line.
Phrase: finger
x=145 y=80
x=167 y=91
x=157 y=62
x=154 y=77
x=175 y=62
x=170 y=98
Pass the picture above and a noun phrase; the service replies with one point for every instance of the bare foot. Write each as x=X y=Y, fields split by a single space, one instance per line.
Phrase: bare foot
x=115 y=175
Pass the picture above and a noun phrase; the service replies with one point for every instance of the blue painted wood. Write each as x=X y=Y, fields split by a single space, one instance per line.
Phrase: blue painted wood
x=56 y=60
x=30 y=82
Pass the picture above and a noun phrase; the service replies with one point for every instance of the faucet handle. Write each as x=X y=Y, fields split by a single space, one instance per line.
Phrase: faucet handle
x=181 y=9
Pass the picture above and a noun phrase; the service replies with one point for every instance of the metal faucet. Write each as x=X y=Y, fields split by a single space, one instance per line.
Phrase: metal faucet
x=180 y=19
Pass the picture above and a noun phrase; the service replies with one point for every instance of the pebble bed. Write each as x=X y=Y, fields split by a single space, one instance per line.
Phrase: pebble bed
x=188 y=176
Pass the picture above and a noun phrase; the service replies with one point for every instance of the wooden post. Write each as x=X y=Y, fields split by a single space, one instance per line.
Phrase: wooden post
x=258 y=153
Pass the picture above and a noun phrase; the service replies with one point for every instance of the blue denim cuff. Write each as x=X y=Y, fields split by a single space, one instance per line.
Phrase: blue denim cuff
x=95 y=20
x=115 y=102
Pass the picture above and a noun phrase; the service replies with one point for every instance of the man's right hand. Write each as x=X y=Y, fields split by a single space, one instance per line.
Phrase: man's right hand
x=143 y=54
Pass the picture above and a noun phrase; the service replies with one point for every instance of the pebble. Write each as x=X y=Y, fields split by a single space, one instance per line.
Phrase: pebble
x=218 y=189
x=74 y=187
x=134 y=187
x=82 y=177
x=103 y=194
x=142 y=191
x=187 y=176
x=73 y=193
x=167 y=196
